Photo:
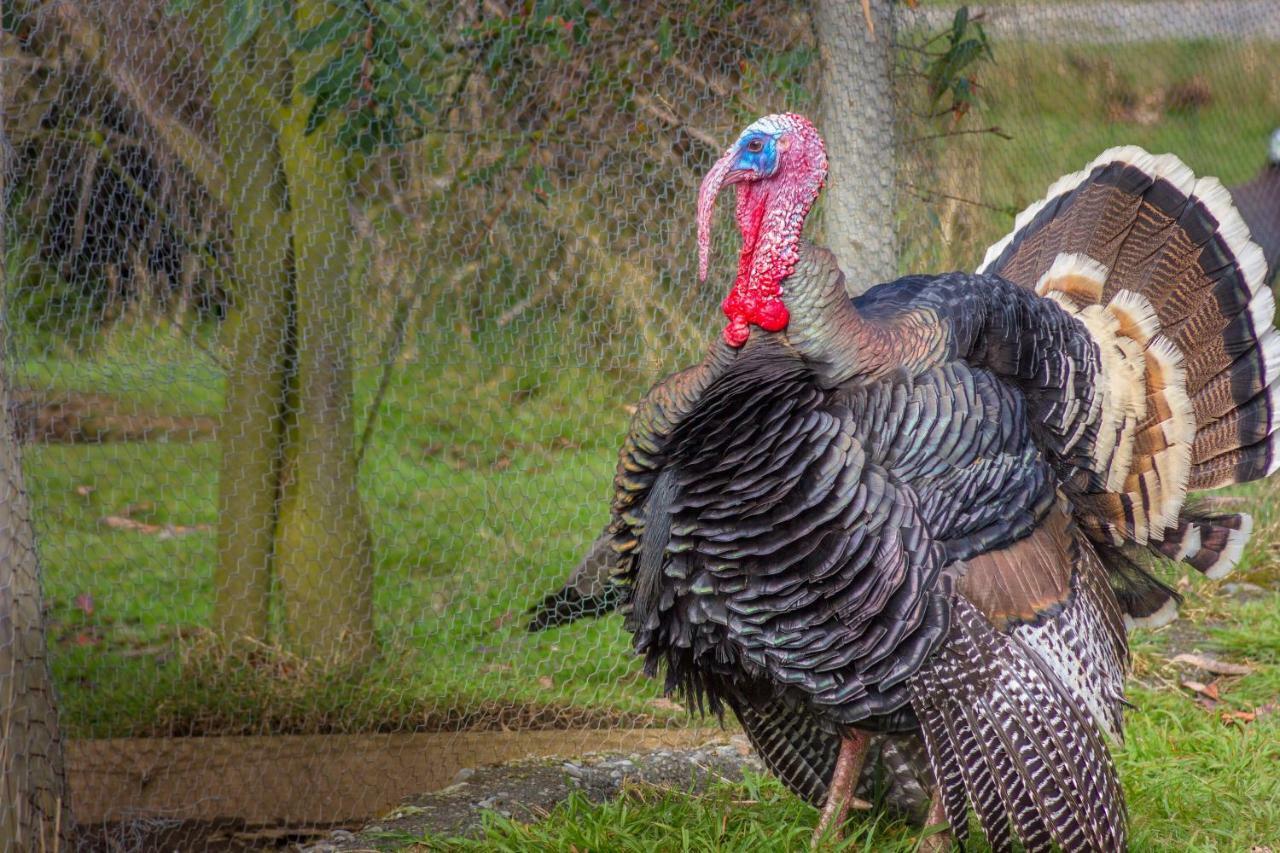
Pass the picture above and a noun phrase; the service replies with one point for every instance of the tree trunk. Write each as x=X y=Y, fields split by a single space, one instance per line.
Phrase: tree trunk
x=258 y=331
x=857 y=121
x=34 y=813
x=324 y=553
x=289 y=508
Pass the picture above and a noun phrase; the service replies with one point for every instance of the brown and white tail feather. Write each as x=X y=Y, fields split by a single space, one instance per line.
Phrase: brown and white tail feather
x=1160 y=269
x=1210 y=543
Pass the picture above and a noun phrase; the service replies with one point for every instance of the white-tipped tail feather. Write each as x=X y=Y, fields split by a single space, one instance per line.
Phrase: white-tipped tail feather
x=1234 y=550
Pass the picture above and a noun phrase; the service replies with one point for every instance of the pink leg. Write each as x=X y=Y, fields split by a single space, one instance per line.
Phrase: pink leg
x=939 y=842
x=840 y=798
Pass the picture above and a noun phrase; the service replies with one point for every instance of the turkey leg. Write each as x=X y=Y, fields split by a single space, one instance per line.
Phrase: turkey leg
x=939 y=842
x=853 y=751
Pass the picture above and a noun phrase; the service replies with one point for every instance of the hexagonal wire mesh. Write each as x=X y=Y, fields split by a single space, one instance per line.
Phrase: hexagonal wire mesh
x=323 y=321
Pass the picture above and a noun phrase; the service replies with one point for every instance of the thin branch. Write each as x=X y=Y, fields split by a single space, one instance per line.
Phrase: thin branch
x=667 y=117
x=926 y=195
x=690 y=73
x=994 y=130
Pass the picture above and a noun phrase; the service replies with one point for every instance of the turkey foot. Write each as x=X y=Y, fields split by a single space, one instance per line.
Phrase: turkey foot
x=840 y=798
x=939 y=842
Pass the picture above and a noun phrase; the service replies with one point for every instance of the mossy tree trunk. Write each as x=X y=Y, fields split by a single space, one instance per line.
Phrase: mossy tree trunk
x=259 y=335
x=290 y=515
x=324 y=549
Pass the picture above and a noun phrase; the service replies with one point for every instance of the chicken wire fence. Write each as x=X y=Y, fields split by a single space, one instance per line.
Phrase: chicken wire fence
x=323 y=319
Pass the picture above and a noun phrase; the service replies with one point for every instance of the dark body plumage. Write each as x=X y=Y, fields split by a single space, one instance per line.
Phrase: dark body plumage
x=934 y=507
x=1258 y=201
x=803 y=528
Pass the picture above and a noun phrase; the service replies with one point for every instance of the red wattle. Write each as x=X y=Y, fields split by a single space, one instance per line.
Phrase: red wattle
x=736 y=333
x=772 y=315
x=744 y=307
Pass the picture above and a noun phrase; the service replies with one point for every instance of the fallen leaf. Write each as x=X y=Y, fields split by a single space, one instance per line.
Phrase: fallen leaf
x=83 y=639
x=123 y=522
x=546 y=682
x=164 y=531
x=138 y=508
x=1210 y=690
x=84 y=490
x=665 y=704
x=84 y=602
x=1208 y=664
x=1183 y=583
x=1238 y=716
x=1266 y=710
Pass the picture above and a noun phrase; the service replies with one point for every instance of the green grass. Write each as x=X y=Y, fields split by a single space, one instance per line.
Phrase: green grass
x=756 y=814
x=480 y=491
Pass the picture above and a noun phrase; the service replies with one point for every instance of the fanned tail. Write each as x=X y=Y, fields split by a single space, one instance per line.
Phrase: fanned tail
x=1159 y=267
x=1007 y=736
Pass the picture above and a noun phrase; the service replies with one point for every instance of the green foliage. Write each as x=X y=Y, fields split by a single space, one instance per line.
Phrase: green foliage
x=383 y=98
x=953 y=70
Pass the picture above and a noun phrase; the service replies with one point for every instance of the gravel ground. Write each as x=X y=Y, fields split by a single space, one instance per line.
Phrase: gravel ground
x=527 y=790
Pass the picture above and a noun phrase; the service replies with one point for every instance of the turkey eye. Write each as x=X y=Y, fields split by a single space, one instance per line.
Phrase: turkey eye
x=755 y=146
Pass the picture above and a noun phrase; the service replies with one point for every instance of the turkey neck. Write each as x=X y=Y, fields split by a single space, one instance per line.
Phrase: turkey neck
x=824 y=327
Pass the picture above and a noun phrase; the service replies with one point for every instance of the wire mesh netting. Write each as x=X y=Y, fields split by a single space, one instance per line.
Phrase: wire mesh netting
x=324 y=320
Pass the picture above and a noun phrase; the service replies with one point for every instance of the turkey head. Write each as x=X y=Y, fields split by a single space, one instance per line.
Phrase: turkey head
x=779 y=165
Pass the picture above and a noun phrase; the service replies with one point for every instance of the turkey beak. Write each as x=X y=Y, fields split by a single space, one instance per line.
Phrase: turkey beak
x=721 y=174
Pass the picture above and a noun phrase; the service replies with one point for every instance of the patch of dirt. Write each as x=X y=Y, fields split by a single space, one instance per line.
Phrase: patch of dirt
x=224 y=836
x=529 y=790
x=500 y=716
x=98 y=418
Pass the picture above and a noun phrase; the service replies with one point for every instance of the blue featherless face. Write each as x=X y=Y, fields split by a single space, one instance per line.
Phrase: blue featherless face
x=757 y=153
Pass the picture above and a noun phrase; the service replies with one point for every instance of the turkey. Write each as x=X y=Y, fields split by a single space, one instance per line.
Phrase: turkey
x=1258 y=201
x=935 y=507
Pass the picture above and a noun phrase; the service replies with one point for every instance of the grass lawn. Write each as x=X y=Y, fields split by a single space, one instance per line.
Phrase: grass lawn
x=490 y=472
